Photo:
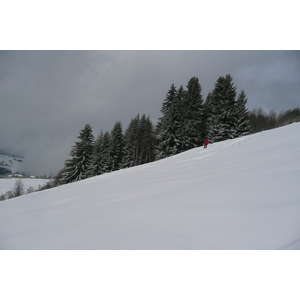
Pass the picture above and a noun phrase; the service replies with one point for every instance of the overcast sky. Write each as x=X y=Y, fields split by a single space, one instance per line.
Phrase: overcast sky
x=47 y=97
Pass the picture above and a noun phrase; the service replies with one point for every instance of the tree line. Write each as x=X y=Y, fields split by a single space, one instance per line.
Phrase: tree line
x=187 y=119
x=185 y=122
x=261 y=120
x=110 y=151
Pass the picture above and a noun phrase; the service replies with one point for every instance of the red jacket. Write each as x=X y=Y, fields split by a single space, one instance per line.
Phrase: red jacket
x=205 y=142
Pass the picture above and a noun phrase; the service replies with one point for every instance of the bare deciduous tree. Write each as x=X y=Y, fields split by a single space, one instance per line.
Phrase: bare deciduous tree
x=18 y=189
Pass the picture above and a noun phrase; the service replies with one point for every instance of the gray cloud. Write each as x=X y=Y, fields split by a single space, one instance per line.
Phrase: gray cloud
x=48 y=96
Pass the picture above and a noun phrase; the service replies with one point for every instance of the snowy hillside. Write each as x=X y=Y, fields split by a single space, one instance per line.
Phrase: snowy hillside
x=236 y=194
x=10 y=162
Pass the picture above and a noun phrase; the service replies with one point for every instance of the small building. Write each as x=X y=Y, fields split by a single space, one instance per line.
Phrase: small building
x=18 y=176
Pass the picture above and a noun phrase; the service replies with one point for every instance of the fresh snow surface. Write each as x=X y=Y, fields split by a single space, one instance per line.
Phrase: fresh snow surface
x=237 y=194
x=6 y=184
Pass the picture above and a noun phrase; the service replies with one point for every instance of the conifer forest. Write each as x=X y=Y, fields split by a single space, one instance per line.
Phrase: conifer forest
x=187 y=119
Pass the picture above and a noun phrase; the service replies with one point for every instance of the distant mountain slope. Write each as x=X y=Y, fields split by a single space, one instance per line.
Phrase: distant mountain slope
x=236 y=194
x=9 y=162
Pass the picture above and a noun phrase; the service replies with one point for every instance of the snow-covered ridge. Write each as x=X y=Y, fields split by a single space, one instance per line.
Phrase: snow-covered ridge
x=236 y=194
x=10 y=162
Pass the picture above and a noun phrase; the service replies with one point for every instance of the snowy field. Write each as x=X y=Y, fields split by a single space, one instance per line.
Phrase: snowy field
x=236 y=194
x=7 y=184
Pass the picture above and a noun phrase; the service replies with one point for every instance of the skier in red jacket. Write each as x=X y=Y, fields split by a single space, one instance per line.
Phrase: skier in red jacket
x=205 y=142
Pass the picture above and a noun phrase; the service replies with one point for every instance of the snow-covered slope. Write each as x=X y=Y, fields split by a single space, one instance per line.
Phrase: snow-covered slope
x=236 y=194
x=10 y=162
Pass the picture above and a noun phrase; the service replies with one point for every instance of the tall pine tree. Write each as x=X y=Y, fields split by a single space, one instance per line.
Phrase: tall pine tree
x=167 y=127
x=147 y=140
x=242 y=120
x=207 y=113
x=117 y=146
x=106 y=159
x=94 y=167
x=76 y=168
x=181 y=127
x=139 y=142
x=131 y=143
x=222 y=110
x=193 y=114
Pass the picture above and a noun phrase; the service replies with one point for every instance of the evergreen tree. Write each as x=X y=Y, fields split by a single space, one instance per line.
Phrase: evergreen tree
x=117 y=146
x=130 y=144
x=222 y=119
x=181 y=124
x=146 y=138
x=139 y=142
x=207 y=113
x=242 y=121
x=76 y=168
x=193 y=114
x=181 y=127
x=106 y=160
x=94 y=168
x=167 y=127
x=102 y=159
